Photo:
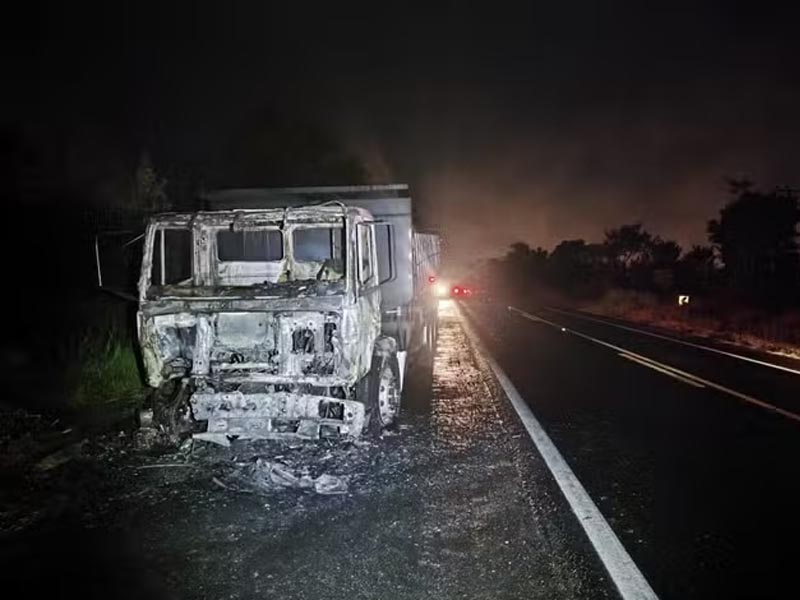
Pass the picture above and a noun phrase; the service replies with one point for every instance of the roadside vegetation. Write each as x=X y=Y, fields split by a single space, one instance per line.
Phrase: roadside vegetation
x=743 y=286
x=709 y=316
x=109 y=369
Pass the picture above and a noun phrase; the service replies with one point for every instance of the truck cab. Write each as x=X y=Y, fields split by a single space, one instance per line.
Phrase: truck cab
x=270 y=322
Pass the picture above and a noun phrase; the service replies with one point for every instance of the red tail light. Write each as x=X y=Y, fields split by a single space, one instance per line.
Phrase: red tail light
x=431 y=279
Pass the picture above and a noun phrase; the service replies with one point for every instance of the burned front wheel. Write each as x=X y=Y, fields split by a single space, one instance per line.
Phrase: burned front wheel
x=167 y=420
x=381 y=393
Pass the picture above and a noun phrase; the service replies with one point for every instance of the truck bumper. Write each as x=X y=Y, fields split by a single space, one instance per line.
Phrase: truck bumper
x=281 y=415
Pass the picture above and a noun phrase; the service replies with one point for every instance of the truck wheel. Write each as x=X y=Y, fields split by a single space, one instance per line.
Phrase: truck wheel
x=170 y=412
x=382 y=402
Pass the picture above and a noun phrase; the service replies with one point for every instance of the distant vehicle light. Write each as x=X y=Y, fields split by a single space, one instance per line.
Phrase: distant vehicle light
x=441 y=290
x=431 y=279
x=456 y=291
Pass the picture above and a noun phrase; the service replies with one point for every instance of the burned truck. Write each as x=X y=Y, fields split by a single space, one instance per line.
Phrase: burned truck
x=284 y=313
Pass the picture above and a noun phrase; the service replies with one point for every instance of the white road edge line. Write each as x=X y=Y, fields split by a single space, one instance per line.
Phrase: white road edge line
x=749 y=399
x=660 y=370
x=763 y=363
x=629 y=580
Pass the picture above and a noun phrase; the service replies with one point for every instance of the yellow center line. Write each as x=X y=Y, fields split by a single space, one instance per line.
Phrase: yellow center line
x=749 y=359
x=674 y=371
x=660 y=369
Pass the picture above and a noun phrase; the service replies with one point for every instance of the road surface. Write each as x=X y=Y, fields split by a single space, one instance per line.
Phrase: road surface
x=669 y=471
x=689 y=450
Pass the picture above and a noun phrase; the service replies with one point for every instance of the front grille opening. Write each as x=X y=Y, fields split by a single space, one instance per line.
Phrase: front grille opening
x=319 y=365
x=303 y=341
x=330 y=331
x=329 y=431
x=331 y=410
x=285 y=425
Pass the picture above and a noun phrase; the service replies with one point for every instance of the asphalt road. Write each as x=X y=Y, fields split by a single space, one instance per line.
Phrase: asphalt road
x=690 y=454
x=456 y=503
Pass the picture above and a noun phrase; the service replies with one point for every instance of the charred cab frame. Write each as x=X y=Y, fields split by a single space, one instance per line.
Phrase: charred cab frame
x=276 y=348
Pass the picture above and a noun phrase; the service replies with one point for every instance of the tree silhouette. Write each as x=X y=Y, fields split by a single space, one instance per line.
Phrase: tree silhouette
x=519 y=268
x=578 y=267
x=625 y=247
x=149 y=190
x=523 y=259
x=697 y=268
x=756 y=237
x=663 y=253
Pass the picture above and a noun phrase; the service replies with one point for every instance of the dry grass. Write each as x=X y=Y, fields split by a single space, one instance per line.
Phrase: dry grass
x=716 y=319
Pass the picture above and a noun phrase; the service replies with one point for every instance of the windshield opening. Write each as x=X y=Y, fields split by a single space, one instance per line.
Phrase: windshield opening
x=259 y=245
x=319 y=253
x=258 y=257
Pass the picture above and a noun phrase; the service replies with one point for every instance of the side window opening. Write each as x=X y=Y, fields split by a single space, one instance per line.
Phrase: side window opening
x=365 y=266
x=384 y=243
x=172 y=257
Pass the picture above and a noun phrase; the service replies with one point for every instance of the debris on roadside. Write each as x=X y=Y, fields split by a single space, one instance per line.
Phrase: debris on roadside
x=26 y=438
x=16 y=423
x=263 y=475
x=146 y=438
x=330 y=484
x=171 y=465
x=55 y=469
x=61 y=456
x=224 y=486
x=187 y=446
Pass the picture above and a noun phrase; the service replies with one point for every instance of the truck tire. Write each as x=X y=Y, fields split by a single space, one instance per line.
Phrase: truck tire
x=381 y=392
x=171 y=412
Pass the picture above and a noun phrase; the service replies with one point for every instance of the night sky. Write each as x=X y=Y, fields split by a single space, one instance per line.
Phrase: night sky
x=552 y=121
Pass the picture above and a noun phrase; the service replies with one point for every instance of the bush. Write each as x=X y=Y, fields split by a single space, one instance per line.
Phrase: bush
x=627 y=304
x=108 y=370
